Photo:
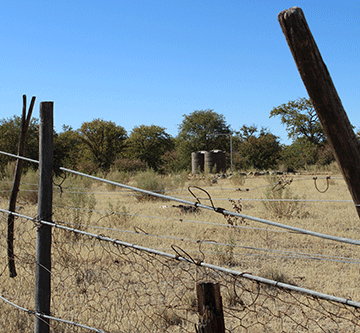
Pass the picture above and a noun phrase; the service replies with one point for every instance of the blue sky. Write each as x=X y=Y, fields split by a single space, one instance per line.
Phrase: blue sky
x=138 y=62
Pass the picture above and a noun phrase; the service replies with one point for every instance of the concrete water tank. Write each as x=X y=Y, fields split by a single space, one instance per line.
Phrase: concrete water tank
x=215 y=161
x=197 y=159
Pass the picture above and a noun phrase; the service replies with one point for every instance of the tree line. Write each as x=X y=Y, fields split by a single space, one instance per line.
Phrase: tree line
x=104 y=145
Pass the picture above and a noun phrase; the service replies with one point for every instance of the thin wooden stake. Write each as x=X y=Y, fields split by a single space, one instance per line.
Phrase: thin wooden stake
x=25 y=121
x=324 y=97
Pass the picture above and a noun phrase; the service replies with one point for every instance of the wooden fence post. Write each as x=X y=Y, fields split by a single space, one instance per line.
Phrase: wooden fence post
x=25 y=121
x=43 y=236
x=210 y=308
x=324 y=97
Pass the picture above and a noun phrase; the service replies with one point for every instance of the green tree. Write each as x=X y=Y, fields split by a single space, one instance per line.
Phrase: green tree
x=149 y=143
x=256 y=148
x=103 y=141
x=202 y=130
x=9 y=140
x=309 y=144
x=301 y=121
x=67 y=145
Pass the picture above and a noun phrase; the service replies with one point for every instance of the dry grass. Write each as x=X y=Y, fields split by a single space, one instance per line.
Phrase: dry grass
x=85 y=269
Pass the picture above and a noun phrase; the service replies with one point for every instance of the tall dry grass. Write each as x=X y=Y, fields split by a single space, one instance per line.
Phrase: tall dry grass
x=248 y=246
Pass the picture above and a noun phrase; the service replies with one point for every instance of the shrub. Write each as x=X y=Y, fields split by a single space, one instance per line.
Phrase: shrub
x=170 y=162
x=281 y=202
x=151 y=181
x=29 y=187
x=115 y=175
x=275 y=275
x=238 y=178
x=129 y=165
x=74 y=207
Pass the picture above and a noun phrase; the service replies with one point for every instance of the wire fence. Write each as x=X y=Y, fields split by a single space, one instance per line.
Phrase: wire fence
x=108 y=283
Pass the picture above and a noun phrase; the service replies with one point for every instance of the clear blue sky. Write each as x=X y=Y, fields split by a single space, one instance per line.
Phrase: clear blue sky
x=150 y=62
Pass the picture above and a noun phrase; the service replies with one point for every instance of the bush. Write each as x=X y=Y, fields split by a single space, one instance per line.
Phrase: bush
x=170 y=162
x=151 y=181
x=29 y=187
x=129 y=165
x=28 y=190
x=281 y=202
x=117 y=176
x=238 y=178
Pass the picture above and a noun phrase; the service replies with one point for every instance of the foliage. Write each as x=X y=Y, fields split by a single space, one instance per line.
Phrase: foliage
x=256 y=148
x=29 y=187
x=225 y=254
x=281 y=202
x=103 y=141
x=298 y=155
x=129 y=165
x=148 y=144
x=114 y=175
x=149 y=181
x=276 y=275
x=74 y=206
x=9 y=140
x=238 y=178
x=301 y=121
x=170 y=162
x=202 y=130
x=67 y=146
x=279 y=207
x=28 y=193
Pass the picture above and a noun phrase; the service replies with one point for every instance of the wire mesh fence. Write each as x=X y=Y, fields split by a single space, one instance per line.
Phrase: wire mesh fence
x=106 y=285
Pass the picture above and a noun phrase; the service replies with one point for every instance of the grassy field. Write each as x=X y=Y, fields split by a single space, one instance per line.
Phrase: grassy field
x=87 y=275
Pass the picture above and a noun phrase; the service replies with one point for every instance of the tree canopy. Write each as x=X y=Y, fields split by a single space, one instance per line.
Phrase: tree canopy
x=103 y=141
x=9 y=139
x=100 y=145
x=301 y=121
x=149 y=143
x=309 y=141
x=256 y=148
x=202 y=130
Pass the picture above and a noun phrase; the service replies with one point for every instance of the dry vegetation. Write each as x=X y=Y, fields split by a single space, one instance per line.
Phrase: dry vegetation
x=88 y=274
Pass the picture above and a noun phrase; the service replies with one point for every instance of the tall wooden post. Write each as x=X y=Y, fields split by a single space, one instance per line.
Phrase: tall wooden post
x=25 y=121
x=43 y=237
x=324 y=97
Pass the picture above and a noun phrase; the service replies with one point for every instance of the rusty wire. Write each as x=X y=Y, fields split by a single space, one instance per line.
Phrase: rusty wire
x=327 y=184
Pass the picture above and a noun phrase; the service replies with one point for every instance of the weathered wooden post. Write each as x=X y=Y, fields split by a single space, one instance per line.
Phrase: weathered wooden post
x=324 y=97
x=25 y=121
x=43 y=237
x=210 y=308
